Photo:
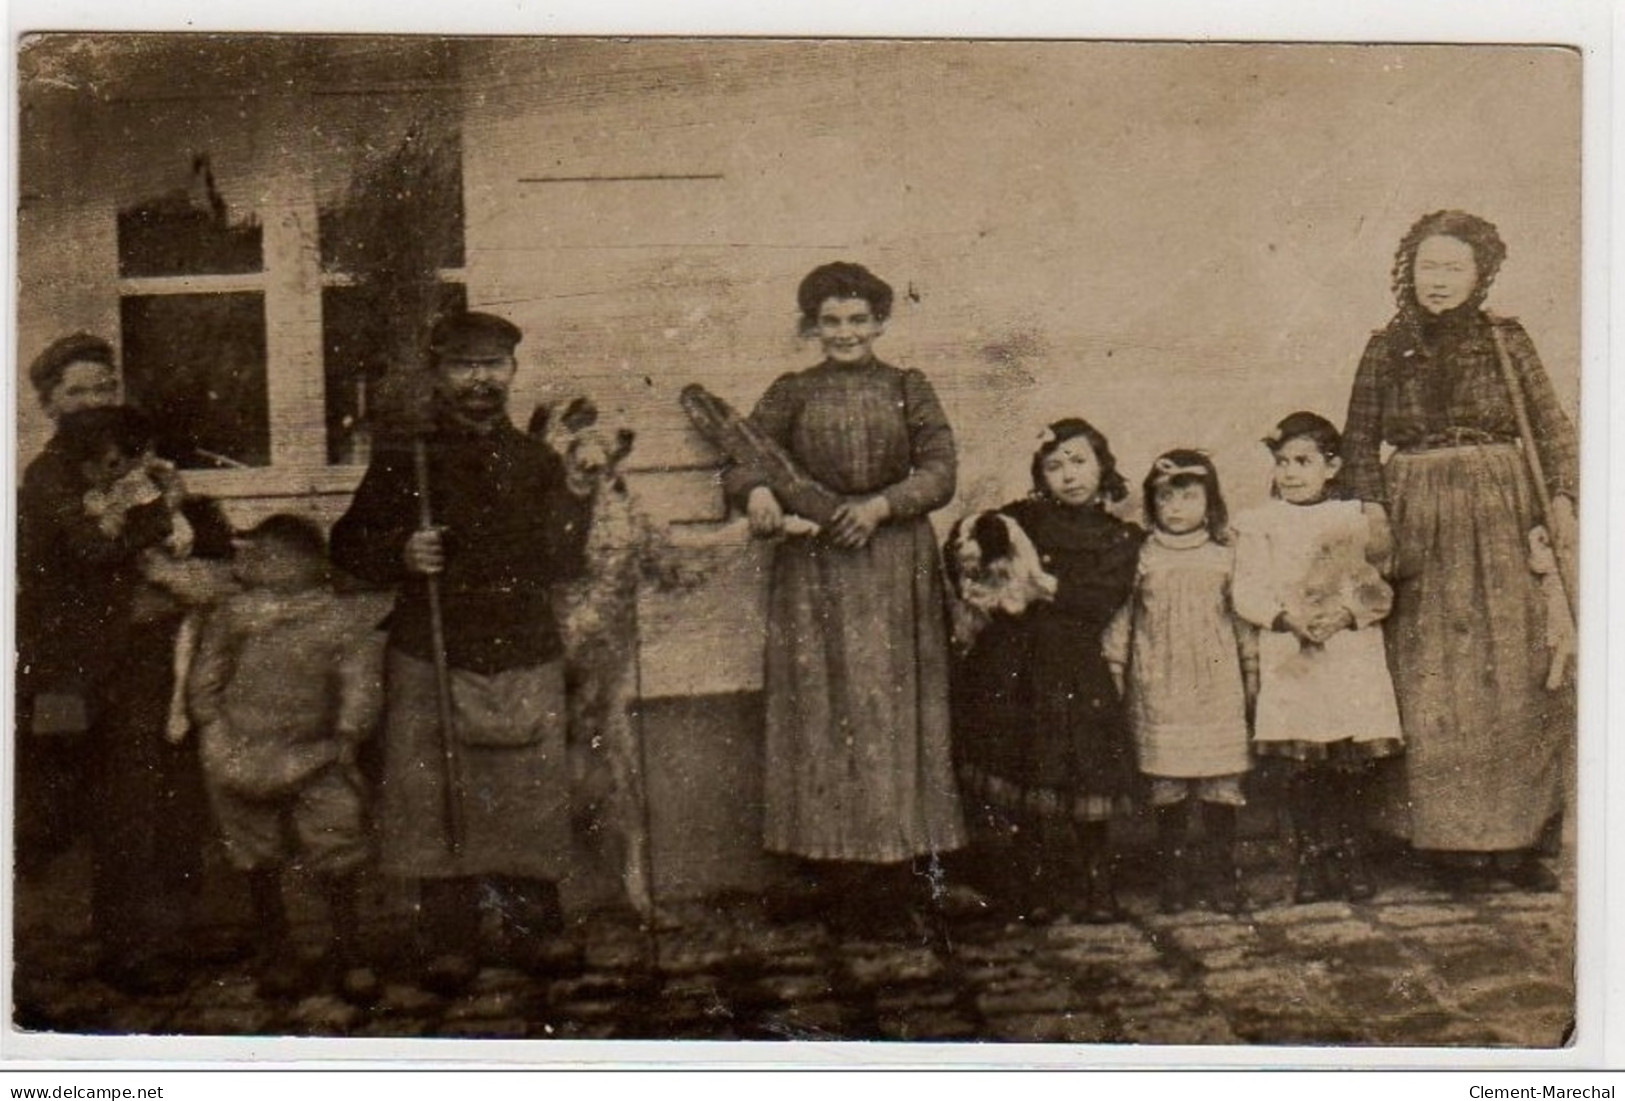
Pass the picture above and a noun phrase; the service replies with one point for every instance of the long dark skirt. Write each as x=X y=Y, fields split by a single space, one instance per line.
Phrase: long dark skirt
x=145 y=802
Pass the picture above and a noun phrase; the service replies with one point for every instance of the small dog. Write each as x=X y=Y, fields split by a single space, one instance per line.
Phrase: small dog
x=992 y=566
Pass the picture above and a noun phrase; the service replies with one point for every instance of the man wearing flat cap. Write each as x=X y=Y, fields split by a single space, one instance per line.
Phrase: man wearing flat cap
x=488 y=820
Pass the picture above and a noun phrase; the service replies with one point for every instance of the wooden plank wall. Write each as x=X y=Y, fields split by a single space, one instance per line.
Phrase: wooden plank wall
x=1181 y=243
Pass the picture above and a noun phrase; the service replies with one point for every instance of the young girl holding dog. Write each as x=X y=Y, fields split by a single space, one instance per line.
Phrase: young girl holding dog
x=1307 y=576
x=1044 y=757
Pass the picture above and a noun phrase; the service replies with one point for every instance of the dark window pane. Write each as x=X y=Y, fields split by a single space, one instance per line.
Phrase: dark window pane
x=187 y=233
x=417 y=188
x=196 y=362
x=356 y=344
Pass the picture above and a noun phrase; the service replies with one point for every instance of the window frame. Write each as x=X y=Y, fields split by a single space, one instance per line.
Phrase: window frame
x=291 y=281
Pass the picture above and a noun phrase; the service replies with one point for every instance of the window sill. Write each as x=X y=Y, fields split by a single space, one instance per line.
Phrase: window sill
x=284 y=481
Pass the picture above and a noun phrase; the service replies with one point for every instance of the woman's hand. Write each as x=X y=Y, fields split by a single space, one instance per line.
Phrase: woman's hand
x=1296 y=625
x=854 y=523
x=765 y=513
x=1323 y=625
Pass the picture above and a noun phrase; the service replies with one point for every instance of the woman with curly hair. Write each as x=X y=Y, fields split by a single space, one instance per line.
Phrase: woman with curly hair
x=858 y=779
x=1467 y=637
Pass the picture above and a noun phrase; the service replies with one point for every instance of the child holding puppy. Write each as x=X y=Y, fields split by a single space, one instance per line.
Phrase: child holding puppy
x=1307 y=575
x=1044 y=756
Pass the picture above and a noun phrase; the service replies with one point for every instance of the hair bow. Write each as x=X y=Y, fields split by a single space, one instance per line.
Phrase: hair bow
x=1046 y=437
x=1165 y=468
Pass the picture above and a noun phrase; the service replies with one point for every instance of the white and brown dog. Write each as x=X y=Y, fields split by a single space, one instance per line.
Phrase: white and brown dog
x=992 y=566
x=598 y=617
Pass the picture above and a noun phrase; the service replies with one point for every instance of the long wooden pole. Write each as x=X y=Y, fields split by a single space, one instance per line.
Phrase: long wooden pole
x=452 y=805
x=1531 y=455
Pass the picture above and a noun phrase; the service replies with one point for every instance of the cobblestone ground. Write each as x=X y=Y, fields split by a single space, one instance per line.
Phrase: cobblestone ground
x=1414 y=967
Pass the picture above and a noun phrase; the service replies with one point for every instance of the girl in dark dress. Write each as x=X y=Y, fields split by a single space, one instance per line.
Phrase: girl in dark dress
x=1043 y=751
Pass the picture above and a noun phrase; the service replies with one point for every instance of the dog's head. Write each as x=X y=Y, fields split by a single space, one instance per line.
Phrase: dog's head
x=974 y=544
x=993 y=565
x=589 y=447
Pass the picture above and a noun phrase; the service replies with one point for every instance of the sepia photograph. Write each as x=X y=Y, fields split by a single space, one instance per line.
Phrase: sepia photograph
x=949 y=541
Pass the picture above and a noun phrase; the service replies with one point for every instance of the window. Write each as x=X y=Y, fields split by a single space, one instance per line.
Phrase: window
x=248 y=240
x=197 y=363
x=193 y=279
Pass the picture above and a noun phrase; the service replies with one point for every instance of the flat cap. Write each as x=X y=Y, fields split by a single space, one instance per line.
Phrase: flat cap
x=46 y=370
x=475 y=335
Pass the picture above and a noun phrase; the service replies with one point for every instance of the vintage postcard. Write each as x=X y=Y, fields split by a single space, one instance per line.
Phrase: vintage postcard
x=952 y=542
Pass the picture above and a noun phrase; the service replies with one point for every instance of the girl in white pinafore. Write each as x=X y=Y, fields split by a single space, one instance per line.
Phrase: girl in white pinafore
x=1307 y=576
x=1188 y=668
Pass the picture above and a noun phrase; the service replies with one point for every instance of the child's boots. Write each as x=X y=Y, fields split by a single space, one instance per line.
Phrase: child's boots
x=1309 y=817
x=280 y=971
x=347 y=971
x=1224 y=877
x=1100 y=894
x=1349 y=872
x=1172 y=888
x=1353 y=868
x=1310 y=884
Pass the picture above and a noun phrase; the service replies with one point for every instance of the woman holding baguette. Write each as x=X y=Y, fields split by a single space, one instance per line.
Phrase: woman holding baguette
x=859 y=783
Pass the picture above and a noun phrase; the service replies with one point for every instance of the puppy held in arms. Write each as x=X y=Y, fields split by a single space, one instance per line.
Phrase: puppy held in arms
x=993 y=567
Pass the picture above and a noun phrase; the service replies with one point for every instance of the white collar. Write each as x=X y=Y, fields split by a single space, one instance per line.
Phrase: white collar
x=1189 y=541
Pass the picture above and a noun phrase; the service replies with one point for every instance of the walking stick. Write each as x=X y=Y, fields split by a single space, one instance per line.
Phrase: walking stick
x=452 y=803
x=645 y=810
x=1532 y=457
x=403 y=406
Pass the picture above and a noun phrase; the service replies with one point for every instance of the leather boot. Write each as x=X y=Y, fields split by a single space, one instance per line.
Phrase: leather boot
x=1308 y=815
x=1100 y=894
x=1310 y=885
x=347 y=970
x=531 y=927
x=280 y=971
x=1355 y=869
x=802 y=895
x=449 y=934
x=1527 y=873
x=1171 y=889
x=1224 y=878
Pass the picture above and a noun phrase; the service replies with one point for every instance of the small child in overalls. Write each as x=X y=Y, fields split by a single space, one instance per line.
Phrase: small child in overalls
x=286 y=685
